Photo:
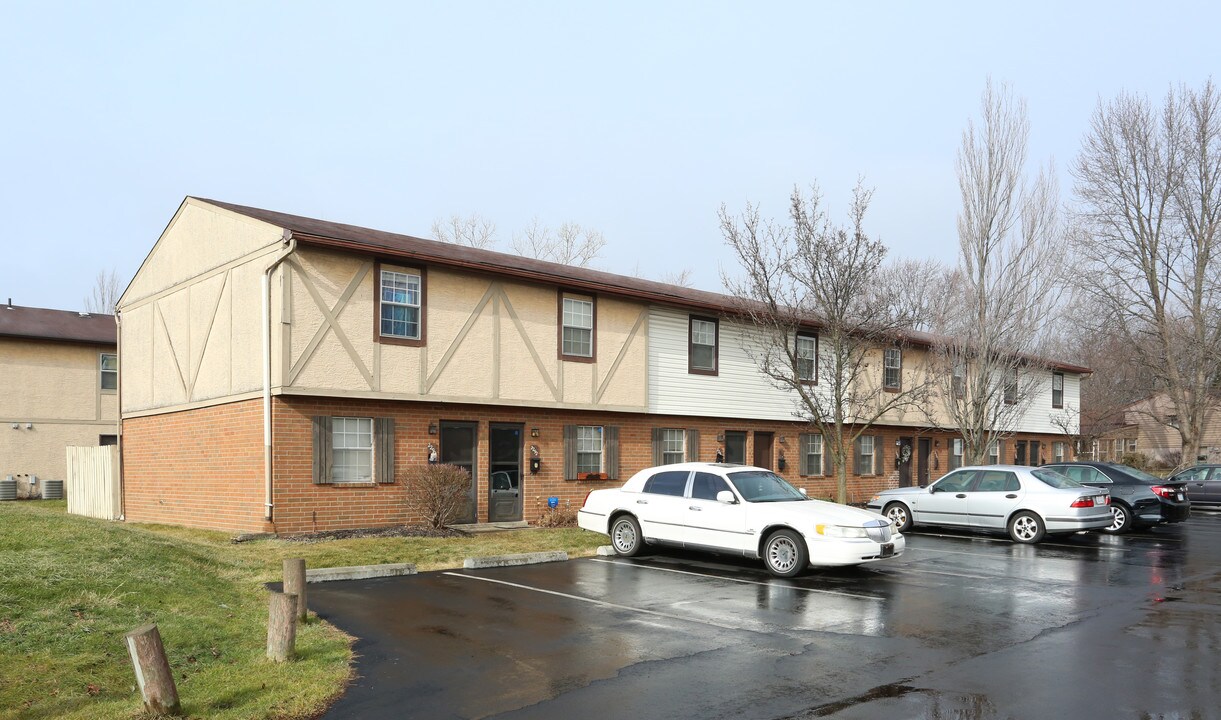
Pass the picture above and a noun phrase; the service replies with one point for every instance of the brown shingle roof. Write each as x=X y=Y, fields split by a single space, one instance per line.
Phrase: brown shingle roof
x=59 y=325
x=392 y=245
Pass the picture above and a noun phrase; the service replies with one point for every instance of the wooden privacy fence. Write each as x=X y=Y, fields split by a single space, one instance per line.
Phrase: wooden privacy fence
x=93 y=482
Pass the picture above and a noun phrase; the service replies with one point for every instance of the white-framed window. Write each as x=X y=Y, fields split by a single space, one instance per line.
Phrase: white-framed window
x=673 y=445
x=955 y=453
x=702 y=352
x=352 y=448
x=892 y=369
x=1057 y=390
x=806 y=350
x=108 y=369
x=865 y=448
x=958 y=379
x=400 y=305
x=1011 y=386
x=994 y=453
x=578 y=327
x=814 y=454
x=589 y=448
x=1131 y=445
x=1057 y=451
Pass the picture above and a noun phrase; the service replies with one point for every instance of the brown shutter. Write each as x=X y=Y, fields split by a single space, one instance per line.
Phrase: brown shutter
x=383 y=442
x=828 y=462
x=859 y=466
x=570 y=452
x=323 y=458
x=693 y=445
x=803 y=450
x=879 y=456
x=610 y=436
x=657 y=446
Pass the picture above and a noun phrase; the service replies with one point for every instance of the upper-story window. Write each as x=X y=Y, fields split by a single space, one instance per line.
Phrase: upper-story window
x=958 y=379
x=401 y=304
x=806 y=351
x=703 y=340
x=577 y=323
x=892 y=369
x=109 y=371
x=1057 y=390
x=1011 y=386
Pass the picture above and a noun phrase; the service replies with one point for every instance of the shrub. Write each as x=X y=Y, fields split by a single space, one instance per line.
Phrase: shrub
x=438 y=493
x=558 y=517
x=1140 y=461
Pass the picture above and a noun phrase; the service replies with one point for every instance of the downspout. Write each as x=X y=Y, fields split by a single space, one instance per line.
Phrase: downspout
x=291 y=243
x=118 y=353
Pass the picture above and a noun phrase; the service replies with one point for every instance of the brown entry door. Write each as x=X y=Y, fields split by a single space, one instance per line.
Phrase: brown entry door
x=926 y=450
x=763 y=450
x=459 y=446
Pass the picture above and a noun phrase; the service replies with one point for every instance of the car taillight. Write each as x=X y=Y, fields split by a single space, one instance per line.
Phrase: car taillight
x=1083 y=502
x=1163 y=491
x=586 y=500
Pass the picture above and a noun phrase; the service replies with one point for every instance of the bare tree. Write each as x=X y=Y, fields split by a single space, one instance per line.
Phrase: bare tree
x=105 y=293
x=1149 y=184
x=473 y=230
x=681 y=278
x=918 y=289
x=1006 y=286
x=569 y=244
x=813 y=275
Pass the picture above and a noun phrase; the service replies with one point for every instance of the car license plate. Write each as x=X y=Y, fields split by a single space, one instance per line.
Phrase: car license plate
x=1179 y=496
x=1100 y=500
x=888 y=549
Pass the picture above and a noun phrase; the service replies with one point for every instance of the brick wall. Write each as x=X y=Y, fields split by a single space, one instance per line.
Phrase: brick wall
x=204 y=467
x=201 y=468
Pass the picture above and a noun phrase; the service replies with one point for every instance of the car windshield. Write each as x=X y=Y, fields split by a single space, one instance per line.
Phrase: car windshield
x=1138 y=474
x=1055 y=479
x=759 y=486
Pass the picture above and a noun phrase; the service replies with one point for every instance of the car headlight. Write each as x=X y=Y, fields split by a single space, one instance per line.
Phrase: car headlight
x=874 y=499
x=840 y=531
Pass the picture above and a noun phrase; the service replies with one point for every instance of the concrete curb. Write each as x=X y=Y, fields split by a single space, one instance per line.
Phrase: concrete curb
x=358 y=572
x=474 y=563
x=606 y=551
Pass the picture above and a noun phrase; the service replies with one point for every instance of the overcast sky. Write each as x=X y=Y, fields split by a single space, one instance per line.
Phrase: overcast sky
x=636 y=118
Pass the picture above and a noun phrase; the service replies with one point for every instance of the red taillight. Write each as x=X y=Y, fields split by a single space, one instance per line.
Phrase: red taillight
x=591 y=492
x=1083 y=502
x=1163 y=491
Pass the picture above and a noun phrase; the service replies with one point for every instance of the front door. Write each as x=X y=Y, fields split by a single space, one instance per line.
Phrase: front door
x=459 y=446
x=905 y=462
x=504 y=472
x=1019 y=452
x=735 y=447
x=1034 y=453
x=926 y=449
x=763 y=450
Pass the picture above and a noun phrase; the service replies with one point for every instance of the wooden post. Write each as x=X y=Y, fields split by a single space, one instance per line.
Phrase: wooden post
x=153 y=674
x=294 y=584
x=281 y=626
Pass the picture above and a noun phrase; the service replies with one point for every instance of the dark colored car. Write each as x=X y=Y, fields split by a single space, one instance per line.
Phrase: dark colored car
x=1138 y=499
x=1203 y=484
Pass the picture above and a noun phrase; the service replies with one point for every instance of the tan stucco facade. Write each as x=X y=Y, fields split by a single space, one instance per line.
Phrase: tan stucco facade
x=51 y=392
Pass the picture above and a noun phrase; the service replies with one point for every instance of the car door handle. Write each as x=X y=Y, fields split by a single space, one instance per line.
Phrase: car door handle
x=695 y=508
x=961 y=495
x=642 y=502
x=1011 y=496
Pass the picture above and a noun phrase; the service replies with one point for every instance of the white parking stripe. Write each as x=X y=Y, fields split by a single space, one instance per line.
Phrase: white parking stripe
x=736 y=580
x=603 y=603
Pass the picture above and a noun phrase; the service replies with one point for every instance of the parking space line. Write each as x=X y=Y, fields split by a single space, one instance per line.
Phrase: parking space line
x=736 y=580
x=603 y=603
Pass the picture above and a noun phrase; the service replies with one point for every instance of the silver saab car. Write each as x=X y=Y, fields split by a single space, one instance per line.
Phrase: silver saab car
x=737 y=509
x=1026 y=502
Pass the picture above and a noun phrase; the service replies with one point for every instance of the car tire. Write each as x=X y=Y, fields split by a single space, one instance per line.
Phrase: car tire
x=1026 y=527
x=897 y=513
x=1121 y=519
x=785 y=554
x=625 y=536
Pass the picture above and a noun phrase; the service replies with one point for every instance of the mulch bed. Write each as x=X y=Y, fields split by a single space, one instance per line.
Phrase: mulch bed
x=379 y=532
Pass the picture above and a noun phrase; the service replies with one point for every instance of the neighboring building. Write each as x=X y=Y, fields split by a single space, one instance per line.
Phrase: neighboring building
x=1150 y=429
x=356 y=354
x=58 y=380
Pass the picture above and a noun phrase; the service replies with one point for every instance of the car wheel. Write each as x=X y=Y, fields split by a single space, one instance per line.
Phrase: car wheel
x=897 y=513
x=1026 y=527
x=784 y=553
x=625 y=536
x=1121 y=519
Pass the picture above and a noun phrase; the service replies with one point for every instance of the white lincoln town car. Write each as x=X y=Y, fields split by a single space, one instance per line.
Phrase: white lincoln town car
x=740 y=510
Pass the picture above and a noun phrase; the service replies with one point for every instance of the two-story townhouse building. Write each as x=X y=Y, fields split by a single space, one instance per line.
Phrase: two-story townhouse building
x=58 y=385
x=281 y=373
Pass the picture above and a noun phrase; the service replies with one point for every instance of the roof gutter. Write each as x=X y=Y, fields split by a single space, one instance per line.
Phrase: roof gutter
x=290 y=242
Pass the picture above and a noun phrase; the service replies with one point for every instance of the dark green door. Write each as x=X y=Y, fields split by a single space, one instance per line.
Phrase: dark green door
x=504 y=472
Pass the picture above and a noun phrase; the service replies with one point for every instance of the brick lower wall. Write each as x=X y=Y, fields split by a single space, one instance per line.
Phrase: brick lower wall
x=204 y=467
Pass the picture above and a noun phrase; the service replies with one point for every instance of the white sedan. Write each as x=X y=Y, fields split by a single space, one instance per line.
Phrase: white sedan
x=737 y=509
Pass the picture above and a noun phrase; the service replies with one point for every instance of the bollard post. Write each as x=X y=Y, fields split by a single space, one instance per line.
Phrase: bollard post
x=153 y=674
x=294 y=583
x=281 y=626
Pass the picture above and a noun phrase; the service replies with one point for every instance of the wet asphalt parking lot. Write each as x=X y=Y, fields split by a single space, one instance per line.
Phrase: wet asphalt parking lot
x=961 y=626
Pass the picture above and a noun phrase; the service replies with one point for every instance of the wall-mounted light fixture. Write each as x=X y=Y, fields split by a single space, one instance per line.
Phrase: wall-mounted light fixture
x=29 y=426
x=782 y=439
x=16 y=426
x=720 y=437
x=432 y=428
x=898 y=442
x=533 y=432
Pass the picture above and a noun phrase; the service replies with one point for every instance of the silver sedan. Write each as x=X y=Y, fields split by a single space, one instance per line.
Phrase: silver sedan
x=1025 y=502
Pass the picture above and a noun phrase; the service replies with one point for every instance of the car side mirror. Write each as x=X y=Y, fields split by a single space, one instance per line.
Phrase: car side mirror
x=726 y=497
x=932 y=489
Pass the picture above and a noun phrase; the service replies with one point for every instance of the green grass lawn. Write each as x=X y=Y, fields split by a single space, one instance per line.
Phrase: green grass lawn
x=71 y=587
